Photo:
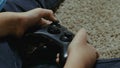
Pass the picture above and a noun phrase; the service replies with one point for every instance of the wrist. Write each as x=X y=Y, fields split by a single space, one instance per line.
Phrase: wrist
x=9 y=23
x=13 y=23
x=20 y=25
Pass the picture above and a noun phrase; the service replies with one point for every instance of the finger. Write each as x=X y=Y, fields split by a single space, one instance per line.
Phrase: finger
x=80 y=38
x=96 y=52
x=57 y=59
x=39 y=13
x=97 y=55
x=44 y=22
x=49 y=15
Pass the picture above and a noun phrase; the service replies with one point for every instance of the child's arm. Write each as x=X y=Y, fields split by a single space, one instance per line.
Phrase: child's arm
x=81 y=54
x=15 y=23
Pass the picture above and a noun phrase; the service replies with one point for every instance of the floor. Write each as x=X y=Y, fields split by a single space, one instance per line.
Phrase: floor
x=101 y=19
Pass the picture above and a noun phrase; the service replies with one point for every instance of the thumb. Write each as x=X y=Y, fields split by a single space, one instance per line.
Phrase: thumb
x=80 y=38
x=39 y=13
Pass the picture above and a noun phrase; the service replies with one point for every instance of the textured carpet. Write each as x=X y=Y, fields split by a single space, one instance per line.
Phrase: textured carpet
x=101 y=19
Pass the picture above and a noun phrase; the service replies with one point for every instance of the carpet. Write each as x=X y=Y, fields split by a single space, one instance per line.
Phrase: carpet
x=101 y=19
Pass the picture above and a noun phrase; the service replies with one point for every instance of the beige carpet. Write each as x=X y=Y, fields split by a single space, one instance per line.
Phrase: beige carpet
x=101 y=19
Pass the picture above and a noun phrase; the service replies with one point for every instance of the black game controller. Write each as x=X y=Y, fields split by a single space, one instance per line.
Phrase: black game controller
x=44 y=43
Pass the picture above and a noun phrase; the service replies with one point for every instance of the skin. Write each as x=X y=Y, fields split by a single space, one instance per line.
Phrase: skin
x=80 y=53
x=12 y=23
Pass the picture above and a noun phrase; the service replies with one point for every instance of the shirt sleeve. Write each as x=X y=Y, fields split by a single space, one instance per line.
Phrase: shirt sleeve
x=2 y=2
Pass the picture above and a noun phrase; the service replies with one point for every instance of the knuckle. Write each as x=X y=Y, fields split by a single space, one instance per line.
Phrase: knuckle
x=50 y=11
x=37 y=9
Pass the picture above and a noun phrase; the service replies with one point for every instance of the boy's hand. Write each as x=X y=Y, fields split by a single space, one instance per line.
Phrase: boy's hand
x=16 y=23
x=80 y=53
x=37 y=16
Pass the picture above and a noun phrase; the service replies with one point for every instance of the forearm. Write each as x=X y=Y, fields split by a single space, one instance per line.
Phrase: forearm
x=75 y=60
x=8 y=23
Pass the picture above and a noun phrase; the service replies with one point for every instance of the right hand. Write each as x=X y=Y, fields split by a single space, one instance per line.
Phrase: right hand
x=80 y=53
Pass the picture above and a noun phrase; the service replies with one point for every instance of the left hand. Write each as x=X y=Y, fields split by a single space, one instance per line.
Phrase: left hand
x=16 y=23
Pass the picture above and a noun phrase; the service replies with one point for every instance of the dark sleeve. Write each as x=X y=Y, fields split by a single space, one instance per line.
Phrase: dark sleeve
x=7 y=57
x=2 y=2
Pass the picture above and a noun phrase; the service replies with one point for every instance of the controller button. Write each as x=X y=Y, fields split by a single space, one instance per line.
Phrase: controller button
x=56 y=23
x=64 y=38
x=68 y=34
x=67 y=37
x=53 y=29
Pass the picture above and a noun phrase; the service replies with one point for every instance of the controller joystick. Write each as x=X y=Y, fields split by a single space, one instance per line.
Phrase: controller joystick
x=53 y=29
x=66 y=37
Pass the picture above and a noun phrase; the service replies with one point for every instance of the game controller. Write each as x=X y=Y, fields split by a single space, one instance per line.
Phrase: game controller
x=43 y=43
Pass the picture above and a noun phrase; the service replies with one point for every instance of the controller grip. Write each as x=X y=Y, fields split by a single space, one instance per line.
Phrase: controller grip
x=63 y=56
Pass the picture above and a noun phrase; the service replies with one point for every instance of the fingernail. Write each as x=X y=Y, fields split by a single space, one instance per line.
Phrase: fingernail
x=83 y=29
x=55 y=19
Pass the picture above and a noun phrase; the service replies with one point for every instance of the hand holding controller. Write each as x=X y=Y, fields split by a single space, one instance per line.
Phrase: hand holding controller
x=46 y=42
x=60 y=35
